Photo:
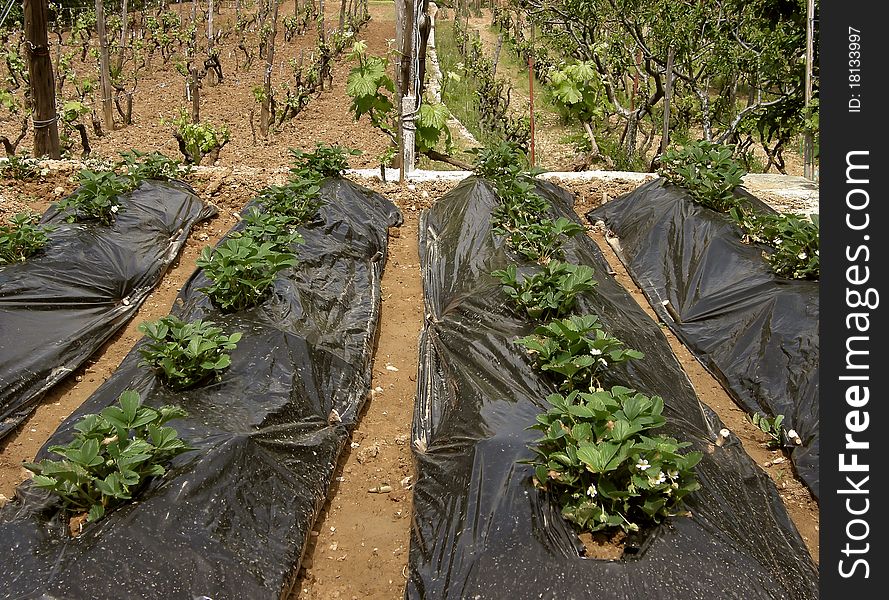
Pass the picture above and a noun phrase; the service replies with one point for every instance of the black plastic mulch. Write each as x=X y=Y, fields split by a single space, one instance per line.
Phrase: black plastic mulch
x=756 y=332
x=60 y=306
x=231 y=519
x=480 y=528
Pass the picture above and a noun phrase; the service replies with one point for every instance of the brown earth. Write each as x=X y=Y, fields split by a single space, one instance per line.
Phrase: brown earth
x=360 y=550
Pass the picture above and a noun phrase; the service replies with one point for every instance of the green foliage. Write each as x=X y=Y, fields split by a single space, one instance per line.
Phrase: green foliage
x=186 y=355
x=149 y=165
x=518 y=216
x=431 y=125
x=501 y=161
x=367 y=85
x=276 y=228
x=576 y=90
x=739 y=76
x=241 y=271
x=298 y=200
x=197 y=140
x=113 y=455
x=773 y=427
x=488 y=94
x=22 y=238
x=72 y=110
x=577 y=350
x=97 y=197
x=548 y=293
x=325 y=161
x=706 y=170
x=598 y=460
x=793 y=237
x=539 y=240
x=373 y=94
x=9 y=101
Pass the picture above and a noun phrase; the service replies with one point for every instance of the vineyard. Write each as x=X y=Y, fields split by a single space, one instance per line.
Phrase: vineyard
x=381 y=299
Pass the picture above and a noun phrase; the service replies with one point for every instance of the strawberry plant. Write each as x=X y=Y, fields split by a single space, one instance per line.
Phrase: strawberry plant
x=706 y=170
x=324 y=161
x=279 y=229
x=793 y=237
x=773 y=427
x=97 y=197
x=599 y=461
x=576 y=349
x=501 y=161
x=113 y=455
x=138 y=166
x=518 y=216
x=20 y=167
x=549 y=292
x=186 y=354
x=298 y=200
x=241 y=271
x=539 y=240
x=22 y=238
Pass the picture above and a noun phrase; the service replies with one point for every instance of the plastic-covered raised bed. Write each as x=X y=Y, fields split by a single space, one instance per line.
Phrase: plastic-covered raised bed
x=60 y=306
x=231 y=519
x=756 y=332
x=480 y=527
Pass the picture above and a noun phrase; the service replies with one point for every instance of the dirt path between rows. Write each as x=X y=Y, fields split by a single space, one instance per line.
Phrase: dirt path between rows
x=359 y=545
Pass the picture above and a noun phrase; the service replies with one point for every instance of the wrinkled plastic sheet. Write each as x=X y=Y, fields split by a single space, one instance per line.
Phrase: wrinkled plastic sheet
x=231 y=519
x=756 y=332
x=480 y=528
x=60 y=306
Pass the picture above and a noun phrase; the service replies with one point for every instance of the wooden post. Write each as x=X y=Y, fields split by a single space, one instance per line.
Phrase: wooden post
x=668 y=93
x=104 y=76
x=809 y=151
x=46 y=127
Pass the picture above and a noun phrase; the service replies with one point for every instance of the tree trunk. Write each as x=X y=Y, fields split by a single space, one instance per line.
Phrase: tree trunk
x=668 y=96
x=594 y=146
x=123 y=36
x=632 y=127
x=104 y=76
x=704 y=97
x=265 y=115
x=194 y=80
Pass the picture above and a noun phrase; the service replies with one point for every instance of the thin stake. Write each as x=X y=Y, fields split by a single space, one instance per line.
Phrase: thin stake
x=531 y=87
